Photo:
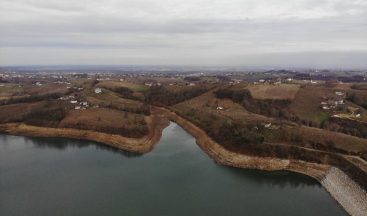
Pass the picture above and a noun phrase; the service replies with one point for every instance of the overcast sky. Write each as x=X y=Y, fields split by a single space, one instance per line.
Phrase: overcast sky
x=311 y=33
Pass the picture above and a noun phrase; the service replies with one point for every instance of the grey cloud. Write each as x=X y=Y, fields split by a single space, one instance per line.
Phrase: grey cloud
x=149 y=29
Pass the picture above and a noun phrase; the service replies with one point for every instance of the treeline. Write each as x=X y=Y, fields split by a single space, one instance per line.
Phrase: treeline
x=3 y=80
x=48 y=115
x=359 y=98
x=273 y=108
x=133 y=132
x=124 y=92
x=159 y=95
x=142 y=109
x=364 y=156
x=359 y=86
x=347 y=126
x=225 y=131
x=237 y=134
x=45 y=113
x=292 y=136
x=192 y=78
x=127 y=93
x=31 y=98
x=45 y=118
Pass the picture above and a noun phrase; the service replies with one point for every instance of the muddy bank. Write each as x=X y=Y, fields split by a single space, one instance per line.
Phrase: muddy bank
x=138 y=145
x=354 y=202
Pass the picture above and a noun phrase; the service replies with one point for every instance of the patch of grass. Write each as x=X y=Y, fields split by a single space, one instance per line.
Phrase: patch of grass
x=114 y=85
x=107 y=121
x=306 y=104
x=273 y=92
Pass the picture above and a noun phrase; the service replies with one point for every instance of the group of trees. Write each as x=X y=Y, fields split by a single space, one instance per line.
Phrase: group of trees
x=359 y=86
x=31 y=98
x=124 y=92
x=231 y=134
x=159 y=95
x=192 y=78
x=3 y=80
x=347 y=126
x=135 y=131
x=144 y=108
x=48 y=115
x=238 y=134
x=358 y=98
x=273 y=108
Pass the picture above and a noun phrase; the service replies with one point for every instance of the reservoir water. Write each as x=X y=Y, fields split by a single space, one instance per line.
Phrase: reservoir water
x=49 y=176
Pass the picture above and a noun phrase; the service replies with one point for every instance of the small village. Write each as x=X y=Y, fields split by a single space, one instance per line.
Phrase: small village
x=339 y=107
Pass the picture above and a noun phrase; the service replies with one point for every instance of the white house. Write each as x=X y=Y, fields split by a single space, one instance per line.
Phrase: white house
x=84 y=103
x=267 y=125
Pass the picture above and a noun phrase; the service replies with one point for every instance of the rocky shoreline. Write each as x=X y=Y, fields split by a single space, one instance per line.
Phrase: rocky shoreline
x=349 y=195
x=342 y=188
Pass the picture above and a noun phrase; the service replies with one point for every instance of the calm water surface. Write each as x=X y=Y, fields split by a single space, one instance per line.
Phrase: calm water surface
x=69 y=177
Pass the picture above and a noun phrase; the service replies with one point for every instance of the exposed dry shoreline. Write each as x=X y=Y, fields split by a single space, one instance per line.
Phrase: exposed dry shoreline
x=334 y=181
x=138 y=145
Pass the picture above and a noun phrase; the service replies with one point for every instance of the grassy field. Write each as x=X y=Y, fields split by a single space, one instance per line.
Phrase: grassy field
x=9 y=90
x=113 y=85
x=110 y=98
x=209 y=103
x=273 y=92
x=12 y=91
x=306 y=103
x=45 y=89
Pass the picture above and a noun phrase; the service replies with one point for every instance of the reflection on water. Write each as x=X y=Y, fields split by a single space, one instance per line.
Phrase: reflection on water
x=65 y=143
x=59 y=176
x=271 y=178
x=55 y=143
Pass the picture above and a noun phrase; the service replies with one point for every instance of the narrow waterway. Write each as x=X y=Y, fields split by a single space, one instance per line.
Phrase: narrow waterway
x=49 y=176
